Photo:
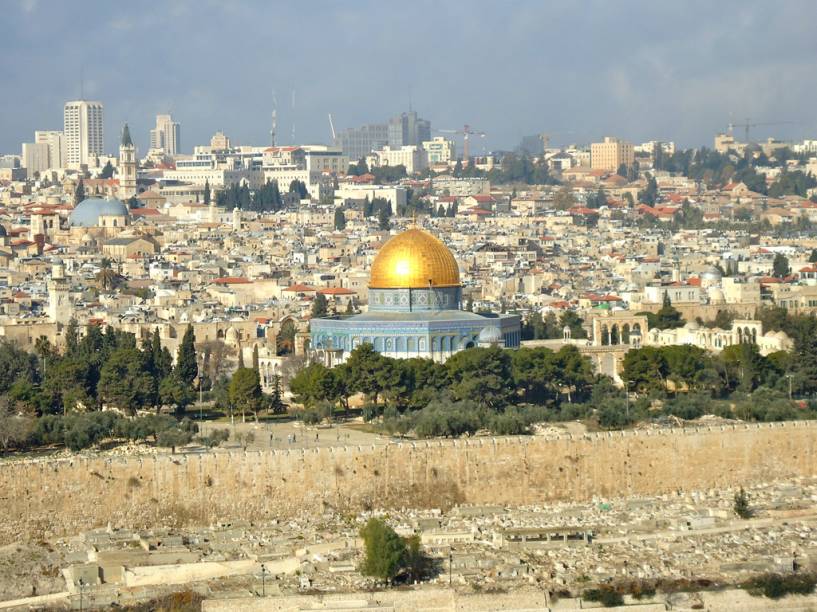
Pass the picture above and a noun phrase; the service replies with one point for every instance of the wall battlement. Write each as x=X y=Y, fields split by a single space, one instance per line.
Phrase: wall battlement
x=46 y=497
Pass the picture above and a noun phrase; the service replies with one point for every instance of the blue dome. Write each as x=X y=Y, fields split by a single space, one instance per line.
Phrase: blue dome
x=87 y=212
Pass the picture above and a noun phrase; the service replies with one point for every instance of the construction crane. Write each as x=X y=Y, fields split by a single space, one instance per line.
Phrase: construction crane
x=332 y=127
x=466 y=133
x=748 y=124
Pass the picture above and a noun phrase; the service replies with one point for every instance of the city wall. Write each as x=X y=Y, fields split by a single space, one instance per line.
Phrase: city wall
x=48 y=497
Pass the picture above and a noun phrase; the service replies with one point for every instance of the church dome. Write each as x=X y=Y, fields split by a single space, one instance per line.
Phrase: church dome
x=414 y=259
x=87 y=212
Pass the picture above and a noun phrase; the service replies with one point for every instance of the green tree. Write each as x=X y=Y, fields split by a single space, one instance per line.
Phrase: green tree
x=813 y=257
x=172 y=438
x=79 y=192
x=175 y=392
x=574 y=322
x=483 y=375
x=245 y=391
x=186 y=365
x=780 y=266
x=107 y=171
x=384 y=218
x=385 y=551
x=645 y=369
x=16 y=364
x=276 y=402
x=207 y=194
x=667 y=317
x=160 y=357
x=649 y=195
x=340 y=219
x=319 y=306
x=299 y=187
x=741 y=505
x=365 y=368
x=71 y=337
x=125 y=382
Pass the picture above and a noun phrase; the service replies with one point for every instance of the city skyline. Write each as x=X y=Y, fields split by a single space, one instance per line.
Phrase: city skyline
x=508 y=73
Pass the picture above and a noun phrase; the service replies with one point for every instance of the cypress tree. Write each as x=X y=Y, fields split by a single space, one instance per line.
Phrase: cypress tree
x=79 y=192
x=255 y=358
x=186 y=367
x=207 y=192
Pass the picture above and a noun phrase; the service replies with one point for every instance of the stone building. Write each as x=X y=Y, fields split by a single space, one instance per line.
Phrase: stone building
x=415 y=297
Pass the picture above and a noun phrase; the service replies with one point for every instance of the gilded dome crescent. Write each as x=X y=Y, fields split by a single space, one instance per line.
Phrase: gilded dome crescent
x=414 y=259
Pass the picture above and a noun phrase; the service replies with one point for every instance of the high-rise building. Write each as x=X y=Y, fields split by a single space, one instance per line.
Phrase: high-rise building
x=127 y=166
x=408 y=129
x=357 y=143
x=165 y=136
x=56 y=146
x=35 y=157
x=611 y=154
x=405 y=129
x=83 y=131
x=219 y=142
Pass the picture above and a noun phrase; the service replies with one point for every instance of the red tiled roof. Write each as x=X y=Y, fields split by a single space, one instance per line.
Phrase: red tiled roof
x=145 y=212
x=232 y=280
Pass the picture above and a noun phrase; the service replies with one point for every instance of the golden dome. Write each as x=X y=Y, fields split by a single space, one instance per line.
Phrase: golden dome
x=414 y=259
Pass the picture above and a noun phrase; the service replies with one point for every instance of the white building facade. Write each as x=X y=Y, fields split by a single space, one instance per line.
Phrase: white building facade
x=83 y=132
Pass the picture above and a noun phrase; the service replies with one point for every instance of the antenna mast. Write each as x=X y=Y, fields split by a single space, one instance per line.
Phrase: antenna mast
x=274 y=119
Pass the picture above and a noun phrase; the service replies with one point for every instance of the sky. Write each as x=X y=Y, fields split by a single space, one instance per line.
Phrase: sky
x=675 y=70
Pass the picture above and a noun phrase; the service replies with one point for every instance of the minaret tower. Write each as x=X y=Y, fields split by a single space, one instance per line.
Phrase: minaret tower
x=127 y=166
x=59 y=302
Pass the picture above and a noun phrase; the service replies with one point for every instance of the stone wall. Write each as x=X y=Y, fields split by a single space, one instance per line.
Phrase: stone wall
x=46 y=497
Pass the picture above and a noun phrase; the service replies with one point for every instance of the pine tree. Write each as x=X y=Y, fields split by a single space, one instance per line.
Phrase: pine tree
x=186 y=367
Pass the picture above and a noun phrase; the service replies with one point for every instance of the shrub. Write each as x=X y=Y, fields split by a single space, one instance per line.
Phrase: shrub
x=311 y=417
x=216 y=437
x=775 y=586
x=605 y=595
x=741 y=506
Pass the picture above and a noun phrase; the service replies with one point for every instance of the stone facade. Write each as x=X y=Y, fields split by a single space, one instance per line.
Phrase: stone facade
x=46 y=497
